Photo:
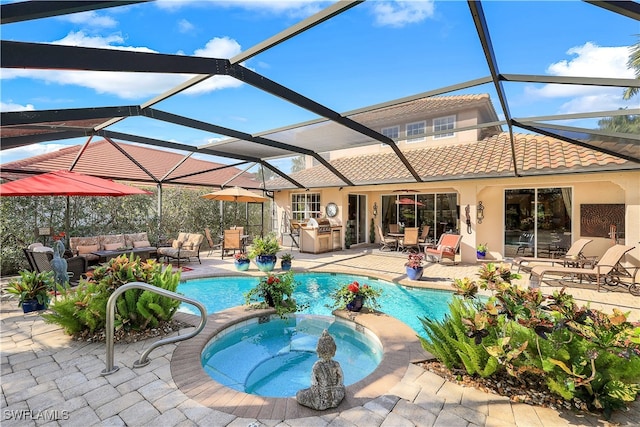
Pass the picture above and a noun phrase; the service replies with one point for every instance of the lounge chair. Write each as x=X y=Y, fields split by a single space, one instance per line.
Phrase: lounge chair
x=608 y=268
x=231 y=242
x=574 y=253
x=447 y=247
x=410 y=239
x=186 y=246
x=387 y=243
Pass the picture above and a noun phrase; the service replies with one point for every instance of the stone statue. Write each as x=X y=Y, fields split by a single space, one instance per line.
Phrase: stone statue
x=59 y=264
x=327 y=381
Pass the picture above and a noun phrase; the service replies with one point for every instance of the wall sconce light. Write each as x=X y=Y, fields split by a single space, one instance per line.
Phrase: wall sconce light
x=480 y=213
x=375 y=209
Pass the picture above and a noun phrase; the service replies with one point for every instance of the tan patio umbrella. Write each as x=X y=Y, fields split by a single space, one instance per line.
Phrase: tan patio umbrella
x=235 y=194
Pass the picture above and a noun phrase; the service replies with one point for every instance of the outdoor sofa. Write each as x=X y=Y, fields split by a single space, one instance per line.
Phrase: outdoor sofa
x=84 y=246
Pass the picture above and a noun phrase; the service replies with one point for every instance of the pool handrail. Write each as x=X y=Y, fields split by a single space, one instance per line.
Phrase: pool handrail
x=143 y=361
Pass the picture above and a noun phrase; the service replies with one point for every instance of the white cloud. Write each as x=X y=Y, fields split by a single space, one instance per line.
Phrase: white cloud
x=91 y=19
x=10 y=106
x=291 y=8
x=26 y=151
x=588 y=60
x=185 y=26
x=401 y=13
x=131 y=85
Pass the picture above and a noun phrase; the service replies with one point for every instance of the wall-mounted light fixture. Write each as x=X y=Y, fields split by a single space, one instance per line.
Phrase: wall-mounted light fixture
x=375 y=209
x=480 y=213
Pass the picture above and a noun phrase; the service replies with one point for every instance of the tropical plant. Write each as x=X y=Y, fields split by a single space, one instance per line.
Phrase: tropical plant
x=241 y=256
x=267 y=245
x=482 y=248
x=274 y=291
x=32 y=286
x=583 y=355
x=414 y=260
x=287 y=256
x=346 y=294
x=85 y=307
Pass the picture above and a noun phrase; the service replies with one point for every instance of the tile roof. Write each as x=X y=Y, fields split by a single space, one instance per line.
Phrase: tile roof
x=490 y=157
x=104 y=160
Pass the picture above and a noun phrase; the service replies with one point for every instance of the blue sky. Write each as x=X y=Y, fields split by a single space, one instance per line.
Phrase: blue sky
x=373 y=53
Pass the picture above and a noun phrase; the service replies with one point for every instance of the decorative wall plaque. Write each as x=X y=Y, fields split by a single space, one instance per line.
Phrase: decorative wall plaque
x=596 y=220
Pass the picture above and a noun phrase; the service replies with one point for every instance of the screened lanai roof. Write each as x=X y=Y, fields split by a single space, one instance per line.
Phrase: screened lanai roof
x=304 y=120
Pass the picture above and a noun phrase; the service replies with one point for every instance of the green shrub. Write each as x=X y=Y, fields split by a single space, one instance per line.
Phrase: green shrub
x=84 y=308
x=583 y=354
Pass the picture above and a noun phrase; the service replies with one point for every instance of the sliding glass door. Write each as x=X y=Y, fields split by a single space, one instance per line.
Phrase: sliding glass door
x=537 y=222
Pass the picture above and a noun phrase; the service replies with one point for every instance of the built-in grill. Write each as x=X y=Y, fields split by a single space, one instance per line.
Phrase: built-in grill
x=322 y=224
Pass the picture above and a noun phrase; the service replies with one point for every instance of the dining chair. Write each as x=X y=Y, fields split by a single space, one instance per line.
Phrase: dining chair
x=231 y=242
x=394 y=228
x=410 y=239
x=424 y=236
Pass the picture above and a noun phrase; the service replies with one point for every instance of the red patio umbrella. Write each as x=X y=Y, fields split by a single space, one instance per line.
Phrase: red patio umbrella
x=67 y=183
x=408 y=201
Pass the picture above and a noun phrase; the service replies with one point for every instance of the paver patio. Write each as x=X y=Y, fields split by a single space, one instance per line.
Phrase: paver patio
x=49 y=379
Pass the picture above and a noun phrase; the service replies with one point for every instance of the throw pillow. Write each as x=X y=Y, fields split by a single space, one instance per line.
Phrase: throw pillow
x=112 y=246
x=83 y=250
x=42 y=248
x=141 y=244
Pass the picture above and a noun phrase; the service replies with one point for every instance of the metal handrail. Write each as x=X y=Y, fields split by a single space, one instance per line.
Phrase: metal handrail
x=143 y=361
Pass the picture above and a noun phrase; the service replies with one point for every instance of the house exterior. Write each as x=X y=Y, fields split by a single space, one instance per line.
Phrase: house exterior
x=535 y=202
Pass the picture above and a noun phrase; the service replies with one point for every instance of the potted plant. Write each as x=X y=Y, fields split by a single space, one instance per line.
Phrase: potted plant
x=274 y=291
x=264 y=251
x=285 y=261
x=414 y=266
x=355 y=296
x=481 y=250
x=241 y=261
x=32 y=289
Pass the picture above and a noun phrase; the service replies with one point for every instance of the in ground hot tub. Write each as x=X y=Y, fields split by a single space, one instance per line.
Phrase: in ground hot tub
x=274 y=358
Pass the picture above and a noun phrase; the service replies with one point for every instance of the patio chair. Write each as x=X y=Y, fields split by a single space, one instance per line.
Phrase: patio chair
x=608 y=268
x=447 y=247
x=525 y=242
x=574 y=253
x=185 y=247
x=410 y=239
x=41 y=262
x=212 y=246
x=387 y=243
x=424 y=236
x=231 y=242
x=394 y=228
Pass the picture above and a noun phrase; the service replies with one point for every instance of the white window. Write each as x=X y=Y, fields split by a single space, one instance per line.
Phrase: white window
x=442 y=124
x=392 y=132
x=305 y=206
x=416 y=129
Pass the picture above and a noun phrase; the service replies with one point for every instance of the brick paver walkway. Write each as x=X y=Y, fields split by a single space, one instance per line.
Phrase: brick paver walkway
x=49 y=379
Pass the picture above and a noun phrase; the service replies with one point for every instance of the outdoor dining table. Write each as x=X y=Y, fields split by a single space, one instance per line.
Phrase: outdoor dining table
x=397 y=237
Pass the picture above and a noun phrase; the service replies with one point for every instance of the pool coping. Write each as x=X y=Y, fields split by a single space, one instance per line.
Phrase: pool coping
x=400 y=344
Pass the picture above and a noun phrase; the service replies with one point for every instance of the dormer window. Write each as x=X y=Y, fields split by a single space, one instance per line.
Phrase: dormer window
x=442 y=124
x=392 y=132
x=417 y=128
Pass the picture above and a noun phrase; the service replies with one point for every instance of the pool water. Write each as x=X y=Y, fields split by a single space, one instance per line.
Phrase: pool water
x=404 y=303
x=275 y=359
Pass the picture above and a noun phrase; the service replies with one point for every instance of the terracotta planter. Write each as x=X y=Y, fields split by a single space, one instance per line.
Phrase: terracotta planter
x=415 y=273
x=266 y=263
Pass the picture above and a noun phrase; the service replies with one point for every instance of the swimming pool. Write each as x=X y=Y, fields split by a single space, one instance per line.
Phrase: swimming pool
x=404 y=303
x=275 y=358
